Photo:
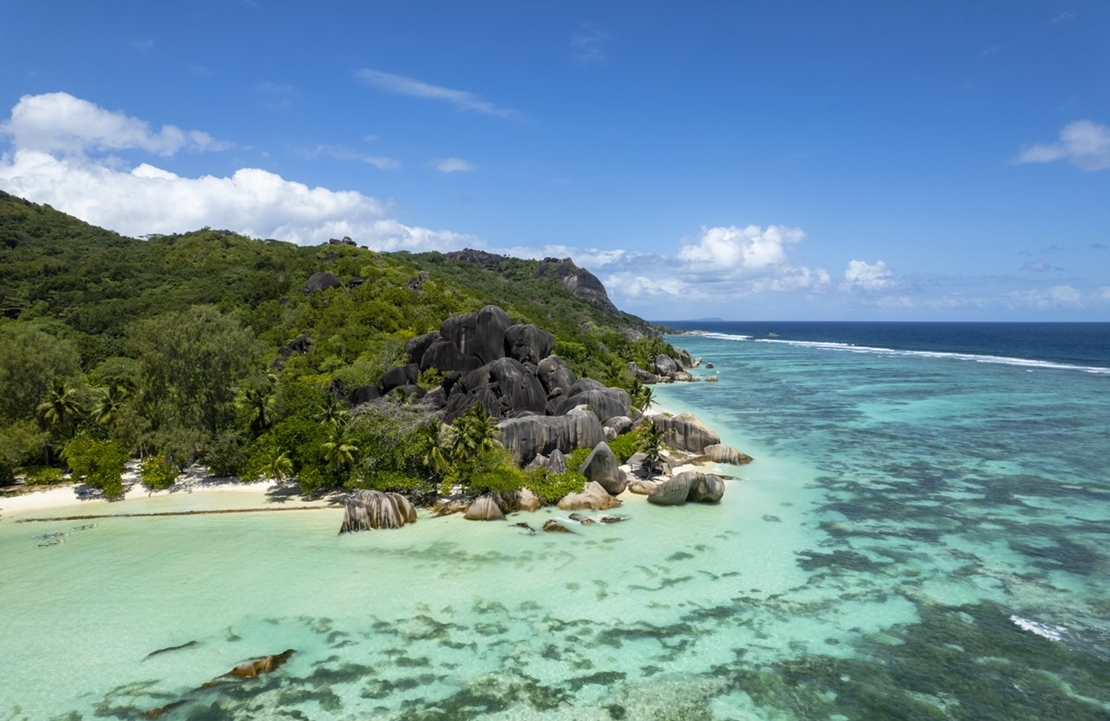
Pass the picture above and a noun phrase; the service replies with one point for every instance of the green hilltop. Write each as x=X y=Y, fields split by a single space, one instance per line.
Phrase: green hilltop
x=208 y=346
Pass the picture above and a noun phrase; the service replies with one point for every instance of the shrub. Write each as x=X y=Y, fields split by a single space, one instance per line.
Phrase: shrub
x=157 y=472
x=44 y=476
x=551 y=487
x=100 y=463
x=623 y=446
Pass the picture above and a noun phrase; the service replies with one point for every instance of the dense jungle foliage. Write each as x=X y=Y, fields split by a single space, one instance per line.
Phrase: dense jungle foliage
x=176 y=349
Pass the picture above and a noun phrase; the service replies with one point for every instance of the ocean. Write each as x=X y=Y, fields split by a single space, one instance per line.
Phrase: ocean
x=924 y=534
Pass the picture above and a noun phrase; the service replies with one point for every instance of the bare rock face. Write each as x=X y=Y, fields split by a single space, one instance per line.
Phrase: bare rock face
x=554 y=373
x=406 y=375
x=321 y=281
x=601 y=467
x=528 y=343
x=671 y=492
x=685 y=359
x=505 y=387
x=484 y=508
x=527 y=500
x=686 y=433
x=606 y=403
x=529 y=436
x=579 y=281
x=705 y=487
x=619 y=424
x=641 y=487
x=665 y=365
x=373 y=509
x=593 y=497
x=553 y=526
x=450 y=504
x=720 y=453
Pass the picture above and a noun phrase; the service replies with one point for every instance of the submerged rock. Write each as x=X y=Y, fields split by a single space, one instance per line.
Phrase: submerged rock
x=374 y=509
x=553 y=526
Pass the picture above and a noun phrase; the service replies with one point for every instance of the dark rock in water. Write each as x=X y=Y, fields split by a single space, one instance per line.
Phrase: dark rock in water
x=672 y=492
x=709 y=366
x=579 y=518
x=612 y=519
x=321 y=281
x=553 y=526
x=524 y=526
x=665 y=365
x=528 y=343
x=259 y=666
x=484 y=508
x=167 y=649
x=602 y=467
x=685 y=358
x=374 y=509
x=532 y=435
x=705 y=487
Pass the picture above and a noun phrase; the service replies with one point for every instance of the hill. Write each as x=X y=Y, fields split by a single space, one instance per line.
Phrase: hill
x=162 y=345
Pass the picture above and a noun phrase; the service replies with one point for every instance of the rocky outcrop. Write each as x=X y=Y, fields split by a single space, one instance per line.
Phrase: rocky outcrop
x=484 y=508
x=686 y=433
x=528 y=343
x=579 y=281
x=321 y=281
x=665 y=365
x=602 y=467
x=690 y=486
x=364 y=510
x=720 y=453
x=529 y=436
x=555 y=375
x=619 y=424
x=553 y=526
x=605 y=402
x=592 y=497
x=481 y=258
x=504 y=387
x=406 y=375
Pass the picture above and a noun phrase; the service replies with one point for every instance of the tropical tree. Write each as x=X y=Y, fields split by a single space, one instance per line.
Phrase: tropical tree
x=435 y=443
x=645 y=399
x=333 y=412
x=651 y=443
x=339 y=450
x=62 y=405
x=257 y=401
x=278 y=465
x=109 y=402
x=475 y=433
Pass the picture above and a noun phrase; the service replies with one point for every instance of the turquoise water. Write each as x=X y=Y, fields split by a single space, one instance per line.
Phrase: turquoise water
x=919 y=537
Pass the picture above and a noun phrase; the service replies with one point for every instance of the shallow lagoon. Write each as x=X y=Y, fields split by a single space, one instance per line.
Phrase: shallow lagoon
x=918 y=538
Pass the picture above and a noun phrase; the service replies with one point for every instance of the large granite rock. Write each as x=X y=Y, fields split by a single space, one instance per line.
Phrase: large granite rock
x=705 y=487
x=481 y=334
x=528 y=343
x=406 y=375
x=529 y=436
x=619 y=424
x=579 y=281
x=321 y=281
x=484 y=508
x=601 y=467
x=605 y=402
x=593 y=496
x=364 y=510
x=554 y=373
x=686 y=433
x=671 y=492
x=720 y=453
x=665 y=365
x=505 y=388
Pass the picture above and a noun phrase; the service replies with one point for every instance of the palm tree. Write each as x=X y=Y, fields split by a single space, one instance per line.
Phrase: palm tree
x=339 y=450
x=645 y=399
x=651 y=444
x=61 y=405
x=333 y=412
x=435 y=440
x=259 y=404
x=278 y=466
x=109 y=402
x=475 y=432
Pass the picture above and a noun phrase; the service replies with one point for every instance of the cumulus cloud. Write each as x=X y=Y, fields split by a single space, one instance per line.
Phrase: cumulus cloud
x=867 y=277
x=454 y=165
x=1055 y=297
x=1084 y=144
x=1039 y=266
x=59 y=122
x=740 y=251
x=630 y=285
x=587 y=44
x=411 y=87
x=55 y=163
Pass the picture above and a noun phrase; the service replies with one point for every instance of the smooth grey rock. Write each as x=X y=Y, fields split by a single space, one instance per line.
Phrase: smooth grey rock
x=592 y=497
x=686 y=433
x=504 y=387
x=557 y=462
x=606 y=403
x=665 y=365
x=321 y=281
x=705 y=487
x=720 y=453
x=619 y=424
x=672 y=492
x=531 y=435
x=364 y=510
x=554 y=373
x=484 y=508
x=684 y=358
x=641 y=487
x=528 y=343
x=416 y=347
x=602 y=467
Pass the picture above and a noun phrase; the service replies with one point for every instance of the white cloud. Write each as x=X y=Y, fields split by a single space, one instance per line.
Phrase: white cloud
x=587 y=44
x=1084 y=144
x=1054 y=297
x=51 y=164
x=740 y=251
x=59 y=122
x=630 y=285
x=339 y=152
x=863 y=276
x=461 y=99
x=454 y=165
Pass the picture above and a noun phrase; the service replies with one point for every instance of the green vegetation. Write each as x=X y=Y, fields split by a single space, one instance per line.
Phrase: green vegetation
x=204 y=347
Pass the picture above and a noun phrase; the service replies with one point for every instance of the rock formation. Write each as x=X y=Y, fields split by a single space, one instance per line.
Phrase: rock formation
x=691 y=486
x=579 y=281
x=720 y=453
x=321 y=281
x=484 y=508
x=593 y=497
x=601 y=467
x=373 y=509
x=530 y=436
x=686 y=433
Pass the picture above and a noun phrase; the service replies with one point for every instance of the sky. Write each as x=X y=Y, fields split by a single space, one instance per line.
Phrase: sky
x=745 y=160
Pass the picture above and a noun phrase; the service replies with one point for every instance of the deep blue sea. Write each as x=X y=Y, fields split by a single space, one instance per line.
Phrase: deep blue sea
x=924 y=534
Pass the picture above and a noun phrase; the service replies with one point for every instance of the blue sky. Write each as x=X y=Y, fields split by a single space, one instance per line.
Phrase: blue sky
x=745 y=160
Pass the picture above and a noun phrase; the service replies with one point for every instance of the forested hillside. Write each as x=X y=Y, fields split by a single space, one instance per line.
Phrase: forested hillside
x=210 y=346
